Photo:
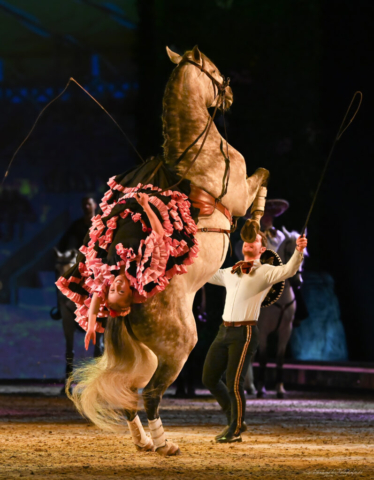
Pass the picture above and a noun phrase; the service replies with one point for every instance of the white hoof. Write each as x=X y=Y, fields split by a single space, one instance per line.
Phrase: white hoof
x=169 y=449
x=251 y=389
x=149 y=447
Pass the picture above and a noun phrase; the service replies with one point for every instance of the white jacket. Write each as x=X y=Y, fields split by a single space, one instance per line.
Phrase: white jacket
x=246 y=292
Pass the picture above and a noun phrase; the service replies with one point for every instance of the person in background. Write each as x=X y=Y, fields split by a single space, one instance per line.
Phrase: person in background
x=74 y=236
x=68 y=248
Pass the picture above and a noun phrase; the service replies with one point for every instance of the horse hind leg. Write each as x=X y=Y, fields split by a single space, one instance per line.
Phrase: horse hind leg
x=142 y=442
x=279 y=386
x=152 y=395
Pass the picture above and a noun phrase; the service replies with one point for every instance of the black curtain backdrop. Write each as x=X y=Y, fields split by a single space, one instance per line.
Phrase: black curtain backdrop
x=294 y=68
x=345 y=215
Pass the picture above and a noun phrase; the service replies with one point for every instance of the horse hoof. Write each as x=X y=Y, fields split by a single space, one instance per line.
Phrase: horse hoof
x=280 y=395
x=168 y=450
x=149 y=447
x=261 y=394
x=251 y=391
x=249 y=231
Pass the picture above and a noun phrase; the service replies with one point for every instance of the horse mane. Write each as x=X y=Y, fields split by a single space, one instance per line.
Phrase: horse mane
x=172 y=108
x=167 y=130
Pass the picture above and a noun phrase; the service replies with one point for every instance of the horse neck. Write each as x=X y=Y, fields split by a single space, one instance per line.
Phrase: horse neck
x=184 y=118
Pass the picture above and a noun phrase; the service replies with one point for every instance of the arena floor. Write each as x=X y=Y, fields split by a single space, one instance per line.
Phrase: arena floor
x=306 y=436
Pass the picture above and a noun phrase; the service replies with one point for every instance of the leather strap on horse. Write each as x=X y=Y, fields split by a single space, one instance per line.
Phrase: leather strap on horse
x=221 y=92
x=217 y=230
x=206 y=203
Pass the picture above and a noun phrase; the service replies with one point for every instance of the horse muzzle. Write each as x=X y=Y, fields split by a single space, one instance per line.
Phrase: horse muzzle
x=227 y=99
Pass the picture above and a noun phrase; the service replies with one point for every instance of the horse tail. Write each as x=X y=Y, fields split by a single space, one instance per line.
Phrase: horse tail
x=108 y=386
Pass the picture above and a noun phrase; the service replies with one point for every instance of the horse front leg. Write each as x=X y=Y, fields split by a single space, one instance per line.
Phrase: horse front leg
x=257 y=193
x=262 y=358
x=284 y=335
x=142 y=442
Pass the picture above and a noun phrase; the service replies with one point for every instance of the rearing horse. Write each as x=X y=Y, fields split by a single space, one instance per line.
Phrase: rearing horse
x=152 y=344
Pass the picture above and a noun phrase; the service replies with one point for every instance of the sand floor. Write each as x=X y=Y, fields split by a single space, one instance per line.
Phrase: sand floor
x=307 y=436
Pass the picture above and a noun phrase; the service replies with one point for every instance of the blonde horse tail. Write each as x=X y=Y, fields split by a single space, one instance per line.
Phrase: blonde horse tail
x=108 y=386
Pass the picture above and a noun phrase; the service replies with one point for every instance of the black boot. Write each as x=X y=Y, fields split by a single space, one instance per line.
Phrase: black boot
x=225 y=431
x=229 y=437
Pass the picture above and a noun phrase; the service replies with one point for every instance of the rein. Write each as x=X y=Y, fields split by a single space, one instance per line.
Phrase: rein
x=221 y=87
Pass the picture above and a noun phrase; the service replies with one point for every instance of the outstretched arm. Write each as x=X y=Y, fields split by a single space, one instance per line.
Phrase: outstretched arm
x=92 y=315
x=218 y=278
x=142 y=199
x=278 y=274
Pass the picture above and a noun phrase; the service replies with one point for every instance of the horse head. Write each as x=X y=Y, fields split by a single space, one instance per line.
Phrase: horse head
x=65 y=260
x=204 y=77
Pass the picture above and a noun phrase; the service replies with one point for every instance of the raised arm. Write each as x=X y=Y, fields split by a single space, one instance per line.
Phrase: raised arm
x=142 y=199
x=218 y=278
x=92 y=315
x=278 y=274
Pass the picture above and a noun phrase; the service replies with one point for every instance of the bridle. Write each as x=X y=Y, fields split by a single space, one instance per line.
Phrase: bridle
x=221 y=92
x=221 y=87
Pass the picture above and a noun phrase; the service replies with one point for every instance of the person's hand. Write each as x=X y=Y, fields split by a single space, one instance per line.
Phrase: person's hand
x=142 y=199
x=301 y=243
x=90 y=335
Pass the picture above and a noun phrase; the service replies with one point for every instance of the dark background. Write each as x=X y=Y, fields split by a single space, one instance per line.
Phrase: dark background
x=294 y=67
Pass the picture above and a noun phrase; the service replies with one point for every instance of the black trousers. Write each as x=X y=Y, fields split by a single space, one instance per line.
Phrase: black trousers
x=231 y=350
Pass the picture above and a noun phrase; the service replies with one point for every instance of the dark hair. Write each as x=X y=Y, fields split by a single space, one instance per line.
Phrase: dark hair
x=88 y=197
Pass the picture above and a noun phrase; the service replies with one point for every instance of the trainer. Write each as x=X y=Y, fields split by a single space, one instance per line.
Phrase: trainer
x=247 y=284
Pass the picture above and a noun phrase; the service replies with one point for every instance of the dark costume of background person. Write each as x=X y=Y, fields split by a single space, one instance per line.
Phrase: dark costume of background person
x=72 y=241
x=247 y=285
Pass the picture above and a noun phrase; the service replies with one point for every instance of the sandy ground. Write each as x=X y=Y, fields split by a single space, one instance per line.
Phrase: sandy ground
x=307 y=436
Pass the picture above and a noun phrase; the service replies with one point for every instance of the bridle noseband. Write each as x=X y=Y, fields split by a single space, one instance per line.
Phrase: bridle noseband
x=220 y=86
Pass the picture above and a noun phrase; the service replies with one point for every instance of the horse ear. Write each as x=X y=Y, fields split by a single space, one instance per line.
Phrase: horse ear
x=58 y=253
x=286 y=232
x=174 y=57
x=196 y=54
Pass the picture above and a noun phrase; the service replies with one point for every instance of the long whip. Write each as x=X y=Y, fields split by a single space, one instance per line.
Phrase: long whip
x=341 y=130
x=50 y=103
